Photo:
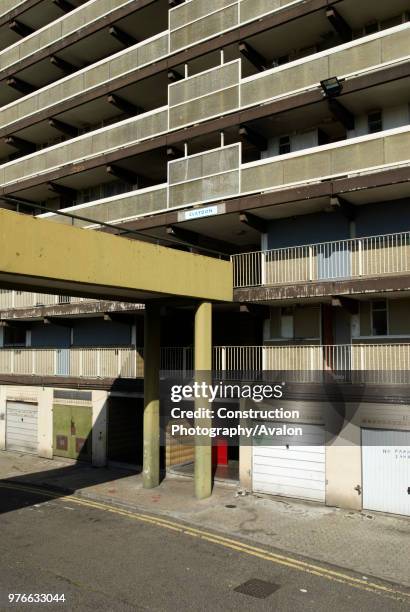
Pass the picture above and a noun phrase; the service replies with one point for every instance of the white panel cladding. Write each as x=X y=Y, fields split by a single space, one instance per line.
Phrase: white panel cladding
x=292 y=470
x=386 y=470
x=22 y=427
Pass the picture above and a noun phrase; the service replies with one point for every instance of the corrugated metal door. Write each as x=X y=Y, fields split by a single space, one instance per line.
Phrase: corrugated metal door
x=21 y=427
x=291 y=470
x=386 y=470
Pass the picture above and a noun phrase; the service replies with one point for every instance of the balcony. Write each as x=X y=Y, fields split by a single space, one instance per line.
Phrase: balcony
x=388 y=363
x=371 y=256
x=22 y=299
x=222 y=90
x=217 y=95
x=58 y=29
x=218 y=174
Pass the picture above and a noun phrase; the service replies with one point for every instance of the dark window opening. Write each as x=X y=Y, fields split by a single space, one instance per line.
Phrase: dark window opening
x=14 y=336
x=379 y=318
x=284 y=145
x=375 y=122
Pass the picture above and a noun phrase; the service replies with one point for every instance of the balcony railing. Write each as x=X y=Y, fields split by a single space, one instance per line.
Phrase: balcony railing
x=58 y=29
x=25 y=299
x=113 y=362
x=341 y=259
x=382 y=363
x=9 y=5
x=390 y=361
x=376 y=50
x=219 y=174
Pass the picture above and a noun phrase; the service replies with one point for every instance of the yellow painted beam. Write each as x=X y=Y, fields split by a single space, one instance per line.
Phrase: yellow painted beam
x=50 y=256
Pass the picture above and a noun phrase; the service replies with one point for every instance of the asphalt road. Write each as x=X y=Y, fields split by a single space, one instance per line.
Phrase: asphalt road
x=109 y=558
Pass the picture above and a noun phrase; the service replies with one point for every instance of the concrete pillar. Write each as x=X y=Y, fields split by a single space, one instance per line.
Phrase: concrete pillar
x=99 y=428
x=151 y=396
x=203 y=373
x=3 y=395
x=45 y=422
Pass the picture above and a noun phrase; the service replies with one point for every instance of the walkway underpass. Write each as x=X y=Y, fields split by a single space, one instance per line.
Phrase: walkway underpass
x=37 y=255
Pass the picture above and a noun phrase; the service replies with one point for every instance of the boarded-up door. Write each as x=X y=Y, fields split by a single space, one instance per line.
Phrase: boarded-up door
x=72 y=426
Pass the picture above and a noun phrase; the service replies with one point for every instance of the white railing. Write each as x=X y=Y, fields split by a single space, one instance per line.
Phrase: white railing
x=251 y=361
x=388 y=363
x=340 y=259
x=26 y=299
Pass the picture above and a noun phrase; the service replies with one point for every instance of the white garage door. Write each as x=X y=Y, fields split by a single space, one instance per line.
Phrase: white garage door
x=386 y=470
x=21 y=427
x=291 y=470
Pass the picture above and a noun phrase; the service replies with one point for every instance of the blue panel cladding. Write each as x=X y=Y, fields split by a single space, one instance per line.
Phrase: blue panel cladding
x=307 y=229
x=97 y=332
x=383 y=218
x=50 y=336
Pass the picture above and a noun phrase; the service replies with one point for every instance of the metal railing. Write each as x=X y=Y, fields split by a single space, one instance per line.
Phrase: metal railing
x=382 y=363
x=251 y=361
x=24 y=299
x=340 y=259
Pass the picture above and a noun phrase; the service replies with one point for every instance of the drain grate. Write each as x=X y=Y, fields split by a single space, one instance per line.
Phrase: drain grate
x=257 y=588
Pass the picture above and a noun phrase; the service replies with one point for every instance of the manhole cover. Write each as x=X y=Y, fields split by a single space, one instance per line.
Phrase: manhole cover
x=257 y=588
x=230 y=506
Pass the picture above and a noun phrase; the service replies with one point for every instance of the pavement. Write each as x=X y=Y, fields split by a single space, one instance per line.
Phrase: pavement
x=370 y=544
x=93 y=556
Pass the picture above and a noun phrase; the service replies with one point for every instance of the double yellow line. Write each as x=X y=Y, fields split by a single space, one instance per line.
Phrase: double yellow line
x=241 y=547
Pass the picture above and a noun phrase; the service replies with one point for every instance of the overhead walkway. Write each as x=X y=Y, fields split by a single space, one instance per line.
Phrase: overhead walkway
x=42 y=256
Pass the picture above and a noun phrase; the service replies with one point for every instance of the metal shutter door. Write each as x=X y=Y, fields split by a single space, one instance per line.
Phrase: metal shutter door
x=386 y=470
x=21 y=427
x=293 y=470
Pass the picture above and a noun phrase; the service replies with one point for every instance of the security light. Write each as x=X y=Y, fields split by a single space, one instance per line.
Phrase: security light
x=331 y=87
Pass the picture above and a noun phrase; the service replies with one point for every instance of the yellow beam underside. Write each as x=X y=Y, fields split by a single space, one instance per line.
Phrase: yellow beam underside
x=58 y=254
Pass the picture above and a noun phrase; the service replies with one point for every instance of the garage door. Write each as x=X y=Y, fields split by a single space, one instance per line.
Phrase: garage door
x=386 y=470
x=291 y=470
x=21 y=427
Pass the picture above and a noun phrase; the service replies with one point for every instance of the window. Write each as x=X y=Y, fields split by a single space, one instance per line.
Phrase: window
x=14 y=336
x=284 y=145
x=371 y=28
x=286 y=323
x=379 y=318
x=375 y=122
